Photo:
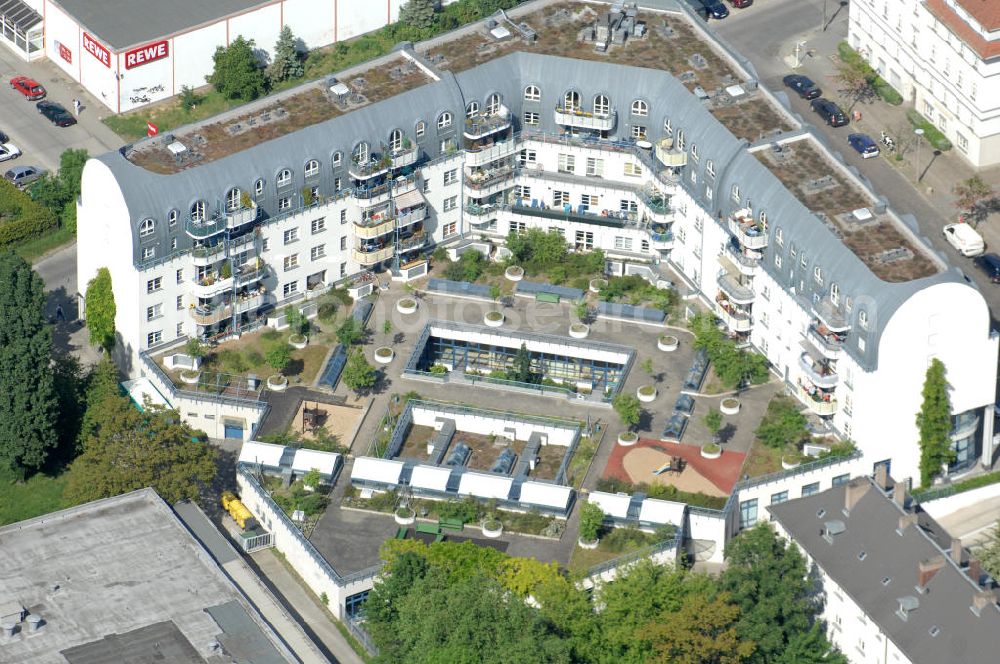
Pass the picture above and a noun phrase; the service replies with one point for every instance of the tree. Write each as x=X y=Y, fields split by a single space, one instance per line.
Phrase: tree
x=101 y=310
x=934 y=423
x=278 y=356
x=628 y=408
x=131 y=449
x=349 y=332
x=591 y=521
x=989 y=552
x=713 y=422
x=59 y=192
x=856 y=79
x=101 y=384
x=70 y=381
x=312 y=478
x=189 y=98
x=287 y=63
x=975 y=198
x=28 y=400
x=582 y=311
x=782 y=425
x=522 y=365
x=387 y=327
x=419 y=14
x=237 y=73
x=647 y=366
x=297 y=323
x=358 y=374
x=810 y=647
x=194 y=348
x=701 y=631
x=495 y=292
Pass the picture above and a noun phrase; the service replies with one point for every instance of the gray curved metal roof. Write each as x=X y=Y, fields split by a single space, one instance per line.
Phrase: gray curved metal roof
x=152 y=195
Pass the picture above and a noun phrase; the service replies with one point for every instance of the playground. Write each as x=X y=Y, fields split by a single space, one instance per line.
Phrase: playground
x=338 y=420
x=681 y=466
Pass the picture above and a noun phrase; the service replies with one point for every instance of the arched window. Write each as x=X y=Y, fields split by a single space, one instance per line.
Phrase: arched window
x=680 y=139
x=532 y=93
x=571 y=100
x=338 y=158
x=233 y=199
x=472 y=110
x=710 y=167
x=198 y=211
x=835 y=294
x=172 y=218
x=258 y=187
x=284 y=178
x=360 y=155
x=444 y=120
x=312 y=168
x=863 y=319
x=668 y=127
x=146 y=227
x=848 y=304
x=818 y=275
x=640 y=108
x=420 y=128
x=396 y=140
x=735 y=193
x=602 y=105
x=779 y=237
x=493 y=104
x=694 y=151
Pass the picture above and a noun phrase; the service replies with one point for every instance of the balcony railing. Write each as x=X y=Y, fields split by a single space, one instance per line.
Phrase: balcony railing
x=735 y=320
x=829 y=344
x=478 y=156
x=370 y=168
x=817 y=373
x=244 y=215
x=374 y=256
x=573 y=117
x=668 y=155
x=208 y=287
x=250 y=272
x=369 y=228
x=211 y=315
x=660 y=239
x=744 y=262
x=415 y=241
x=199 y=230
x=481 y=126
x=412 y=216
x=484 y=184
x=578 y=215
x=207 y=255
x=404 y=156
x=819 y=402
x=748 y=232
x=736 y=291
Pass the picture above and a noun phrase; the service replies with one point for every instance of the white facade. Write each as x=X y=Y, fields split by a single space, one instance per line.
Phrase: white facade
x=938 y=67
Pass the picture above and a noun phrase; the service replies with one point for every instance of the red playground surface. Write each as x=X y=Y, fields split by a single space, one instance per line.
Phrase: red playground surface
x=637 y=464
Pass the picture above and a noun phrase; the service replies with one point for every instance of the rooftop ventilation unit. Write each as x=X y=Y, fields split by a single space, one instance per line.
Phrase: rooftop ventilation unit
x=907 y=604
x=833 y=528
x=459 y=456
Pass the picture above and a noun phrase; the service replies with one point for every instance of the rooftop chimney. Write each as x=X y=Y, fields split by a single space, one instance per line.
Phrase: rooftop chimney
x=8 y=629
x=899 y=494
x=975 y=570
x=981 y=599
x=855 y=489
x=956 y=550
x=908 y=519
x=926 y=570
x=35 y=622
x=882 y=476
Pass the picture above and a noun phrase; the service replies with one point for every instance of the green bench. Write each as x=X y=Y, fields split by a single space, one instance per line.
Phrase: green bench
x=451 y=524
x=428 y=529
x=401 y=532
x=542 y=296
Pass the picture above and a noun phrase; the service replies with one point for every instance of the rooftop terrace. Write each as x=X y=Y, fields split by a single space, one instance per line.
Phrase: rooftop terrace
x=822 y=187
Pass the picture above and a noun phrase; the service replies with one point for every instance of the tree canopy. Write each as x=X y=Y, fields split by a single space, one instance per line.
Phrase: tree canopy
x=418 y=14
x=934 y=423
x=358 y=374
x=28 y=400
x=734 y=366
x=237 y=73
x=101 y=310
x=288 y=60
x=350 y=332
x=783 y=425
x=628 y=408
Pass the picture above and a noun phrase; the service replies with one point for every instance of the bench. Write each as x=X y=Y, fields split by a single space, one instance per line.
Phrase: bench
x=546 y=297
x=439 y=538
x=401 y=532
x=428 y=529
x=451 y=524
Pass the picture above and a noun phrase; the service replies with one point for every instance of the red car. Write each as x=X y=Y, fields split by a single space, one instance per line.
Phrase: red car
x=740 y=4
x=31 y=89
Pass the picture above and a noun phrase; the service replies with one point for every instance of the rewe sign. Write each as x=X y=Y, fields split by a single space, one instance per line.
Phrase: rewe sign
x=94 y=47
x=145 y=54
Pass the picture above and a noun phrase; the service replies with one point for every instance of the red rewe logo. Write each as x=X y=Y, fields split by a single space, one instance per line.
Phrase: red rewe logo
x=148 y=53
x=94 y=47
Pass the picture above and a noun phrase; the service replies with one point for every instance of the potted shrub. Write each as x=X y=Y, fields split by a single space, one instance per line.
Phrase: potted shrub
x=579 y=330
x=628 y=438
x=277 y=383
x=646 y=393
x=492 y=526
x=190 y=376
x=311 y=480
x=384 y=355
x=438 y=369
x=226 y=270
x=298 y=325
x=493 y=318
x=791 y=459
x=591 y=522
x=406 y=305
x=667 y=343
x=597 y=285
x=711 y=451
x=514 y=273
x=404 y=515
x=729 y=406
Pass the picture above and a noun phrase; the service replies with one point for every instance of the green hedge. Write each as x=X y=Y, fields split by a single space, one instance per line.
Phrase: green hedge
x=882 y=88
x=958 y=487
x=21 y=219
x=931 y=133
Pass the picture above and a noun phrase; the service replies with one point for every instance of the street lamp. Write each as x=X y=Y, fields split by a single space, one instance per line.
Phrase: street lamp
x=920 y=134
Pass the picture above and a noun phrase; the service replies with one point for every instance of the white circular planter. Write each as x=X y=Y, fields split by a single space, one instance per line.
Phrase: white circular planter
x=729 y=406
x=514 y=273
x=628 y=438
x=190 y=377
x=597 y=285
x=667 y=343
x=579 y=330
x=298 y=341
x=493 y=318
x=646 y=396
x=788 y=464
x=384 y=354
x=405 y=521
x=709 y=454
x=583 y=544
x=277 y=383
x=491 y=532
x=407 y=305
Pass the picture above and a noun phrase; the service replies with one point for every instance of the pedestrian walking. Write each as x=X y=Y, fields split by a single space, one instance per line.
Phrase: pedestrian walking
x=60 y=316
x=76 y=107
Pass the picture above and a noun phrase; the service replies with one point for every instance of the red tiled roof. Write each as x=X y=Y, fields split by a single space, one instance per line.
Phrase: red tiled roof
x=986 y=12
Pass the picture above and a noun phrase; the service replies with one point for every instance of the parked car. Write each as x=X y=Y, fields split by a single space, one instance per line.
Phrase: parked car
x=803 y=85
x=965 y=239
x=740 y=4
x=832 y=114
x=4 y=137
x=9 y=151
x=21 y=176
x=29 y=87
x=56 y=113
x=864 y=144
x=990 y=264
x=715 y=9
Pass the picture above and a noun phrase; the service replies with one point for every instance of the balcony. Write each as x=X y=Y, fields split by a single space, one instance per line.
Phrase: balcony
x=370 y=168
x=735 y=319
x=251 y=271
x=373 y=256
x=411 y=216
x=668 y=155
x=487 y=125
x=830 y=317
x=485 y=183
x=657 y=205
x=207 y=255
x=749 y=233
x=481 y=214
x=829 y=344
x=249 y=303
x=819 y=373
x=209 y=315
x=567 y=214
x=209 y=286
x=965 y=425
x=818 y=402
x=405 y=156
x=480 y=156
x=737 y=291
x=244 y=215
x=744 y=262
x=206 y=228
x=367 y=229
x=243 y=243
x=573 y=117
x=416 y=241
x=660 y=237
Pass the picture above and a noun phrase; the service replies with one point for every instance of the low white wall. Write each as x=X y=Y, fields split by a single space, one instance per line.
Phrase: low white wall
x=943 y=507
x=487 y=424
x=709 y=528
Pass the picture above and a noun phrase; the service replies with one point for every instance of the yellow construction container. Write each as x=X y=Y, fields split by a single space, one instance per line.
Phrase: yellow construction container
x=241 y=515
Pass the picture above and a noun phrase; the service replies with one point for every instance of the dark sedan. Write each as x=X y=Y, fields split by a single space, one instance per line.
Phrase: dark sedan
x=715 y=9
x=802 y=85
x=830 y=112
x=56 y=114
x=990 y=264
x=864 y=144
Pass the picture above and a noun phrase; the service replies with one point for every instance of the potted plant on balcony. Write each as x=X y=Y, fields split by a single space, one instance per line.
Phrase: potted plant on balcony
x=591 y=523
x=307 y=196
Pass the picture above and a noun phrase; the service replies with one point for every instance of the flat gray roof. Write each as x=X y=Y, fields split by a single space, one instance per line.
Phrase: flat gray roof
x=877 y=565
x=124 y=23
x=122 y=574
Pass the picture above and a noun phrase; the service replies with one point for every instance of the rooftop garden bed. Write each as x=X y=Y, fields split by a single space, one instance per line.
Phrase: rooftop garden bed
x=752 y=119
x=616 y=542
x=661 y=492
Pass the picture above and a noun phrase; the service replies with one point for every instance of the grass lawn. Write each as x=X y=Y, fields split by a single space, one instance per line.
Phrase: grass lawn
x=580 y=462
x=38 y=247
x=39 y=495
x=713 y=384
x=762 y=460
x=616 y=542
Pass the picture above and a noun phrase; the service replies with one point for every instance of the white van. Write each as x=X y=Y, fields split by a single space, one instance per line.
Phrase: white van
x=965 y=239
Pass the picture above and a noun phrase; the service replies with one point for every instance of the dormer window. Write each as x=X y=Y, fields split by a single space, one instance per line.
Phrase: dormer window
x=284 y=178
x=198 y=211
x=602 y=105
x=668 y=127
x=680 y=139
x=735 y=193
x=763 y=220
x=472 y=110
x=640 y=108
x=312 y=168
x=147 y=227
x=863 y=319
x=694 y=151
x=338 y=158
x=710 y=168
x=233 y=199
x=818 y=275
x=396 y=140
x=258 y=187
x=571 y=100
x=444 y=120
x=172 y=218
x=360 y=154
x=779 y=237
x=835 y=294
x=493 y=104
x=532 y=93
x=420 y=129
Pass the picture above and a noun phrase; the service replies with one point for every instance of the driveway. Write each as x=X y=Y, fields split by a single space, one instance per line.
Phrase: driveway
x=58 y=271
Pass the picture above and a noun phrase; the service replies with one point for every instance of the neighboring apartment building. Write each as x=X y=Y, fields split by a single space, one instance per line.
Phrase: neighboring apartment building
x=896 y=589
x=944 y=56
x=616 y=158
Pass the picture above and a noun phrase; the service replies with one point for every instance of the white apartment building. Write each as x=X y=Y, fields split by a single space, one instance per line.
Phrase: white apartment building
x=616 y=158
x=944 y=56
x=896 y=589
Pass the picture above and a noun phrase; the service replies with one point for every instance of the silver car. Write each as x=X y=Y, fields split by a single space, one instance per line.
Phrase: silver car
x=21 y=176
